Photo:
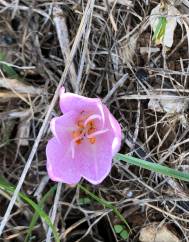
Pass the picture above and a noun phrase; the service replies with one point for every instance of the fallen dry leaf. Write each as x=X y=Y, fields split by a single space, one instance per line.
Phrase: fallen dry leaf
x=169 y=106
x=153 y=233
x=18 y=86
x=6 y=95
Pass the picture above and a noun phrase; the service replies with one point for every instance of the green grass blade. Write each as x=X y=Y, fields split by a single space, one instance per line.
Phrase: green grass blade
x=164 y=170
x=10 y=189
x=105 y=204
x=36 y=215
x=7 y=69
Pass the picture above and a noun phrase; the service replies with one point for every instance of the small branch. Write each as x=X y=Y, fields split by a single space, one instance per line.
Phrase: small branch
x=63 y=37
x=115 y=87
x=54 y=211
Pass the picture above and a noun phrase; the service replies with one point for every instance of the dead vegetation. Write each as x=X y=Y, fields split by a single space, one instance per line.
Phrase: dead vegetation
x=95 y=48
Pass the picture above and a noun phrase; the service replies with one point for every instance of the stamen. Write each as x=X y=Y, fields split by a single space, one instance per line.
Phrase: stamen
x=91 y=130
x=92 y=140
x=77 y=136
x=85 y=129
x=92 y=117
x=97 y=133
x=80 y=124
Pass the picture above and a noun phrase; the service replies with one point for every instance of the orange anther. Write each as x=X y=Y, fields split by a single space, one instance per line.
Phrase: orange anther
x=92 y=140
x=90 y=123
x=76 y=135
x=80 y=124
x=83 y=130
x=91 y=130
x=78 y=141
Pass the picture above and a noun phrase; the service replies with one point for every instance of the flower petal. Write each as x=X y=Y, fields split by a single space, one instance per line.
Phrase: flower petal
x=60 y=165
x=114 y=133
x=94 y=160
x=77 y=103
x=64 y=125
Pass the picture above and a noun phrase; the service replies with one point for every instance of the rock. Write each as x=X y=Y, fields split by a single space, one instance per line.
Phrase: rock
x=153 y=233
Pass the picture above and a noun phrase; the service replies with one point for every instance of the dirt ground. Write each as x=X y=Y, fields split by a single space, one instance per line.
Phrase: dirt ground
x=98 y=49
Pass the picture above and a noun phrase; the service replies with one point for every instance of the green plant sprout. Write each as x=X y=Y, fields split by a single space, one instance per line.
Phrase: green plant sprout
x=119 y=229
x=160 y=30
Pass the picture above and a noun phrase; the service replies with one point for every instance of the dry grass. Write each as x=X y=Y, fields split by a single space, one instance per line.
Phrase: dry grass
x=115 y=59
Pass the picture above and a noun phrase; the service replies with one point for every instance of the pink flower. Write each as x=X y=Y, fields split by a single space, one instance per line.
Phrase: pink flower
x=85 y=140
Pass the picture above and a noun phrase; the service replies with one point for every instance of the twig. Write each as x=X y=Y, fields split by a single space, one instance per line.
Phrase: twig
x=40 y=188
x=63 y=37
x=153 y=96
x=82 y=61
x=54 y=210
x=115 y=87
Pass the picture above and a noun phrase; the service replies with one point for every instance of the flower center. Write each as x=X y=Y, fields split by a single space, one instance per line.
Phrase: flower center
x=85 y=128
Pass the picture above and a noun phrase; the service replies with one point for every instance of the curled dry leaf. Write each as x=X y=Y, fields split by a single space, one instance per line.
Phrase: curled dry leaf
x=19 y=86
x=153 y=233
x=163 y=20
x=169 y=106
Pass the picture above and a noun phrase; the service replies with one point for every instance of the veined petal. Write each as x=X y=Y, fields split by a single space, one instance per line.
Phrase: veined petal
x=114 y=130
x=92 y=117
x=73 y=102
x=60 y=165
x=99 y=132
x=64 y=125
x=94 y=160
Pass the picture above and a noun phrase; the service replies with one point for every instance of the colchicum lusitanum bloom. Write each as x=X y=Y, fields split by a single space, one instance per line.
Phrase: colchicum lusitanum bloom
x=86 y=137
